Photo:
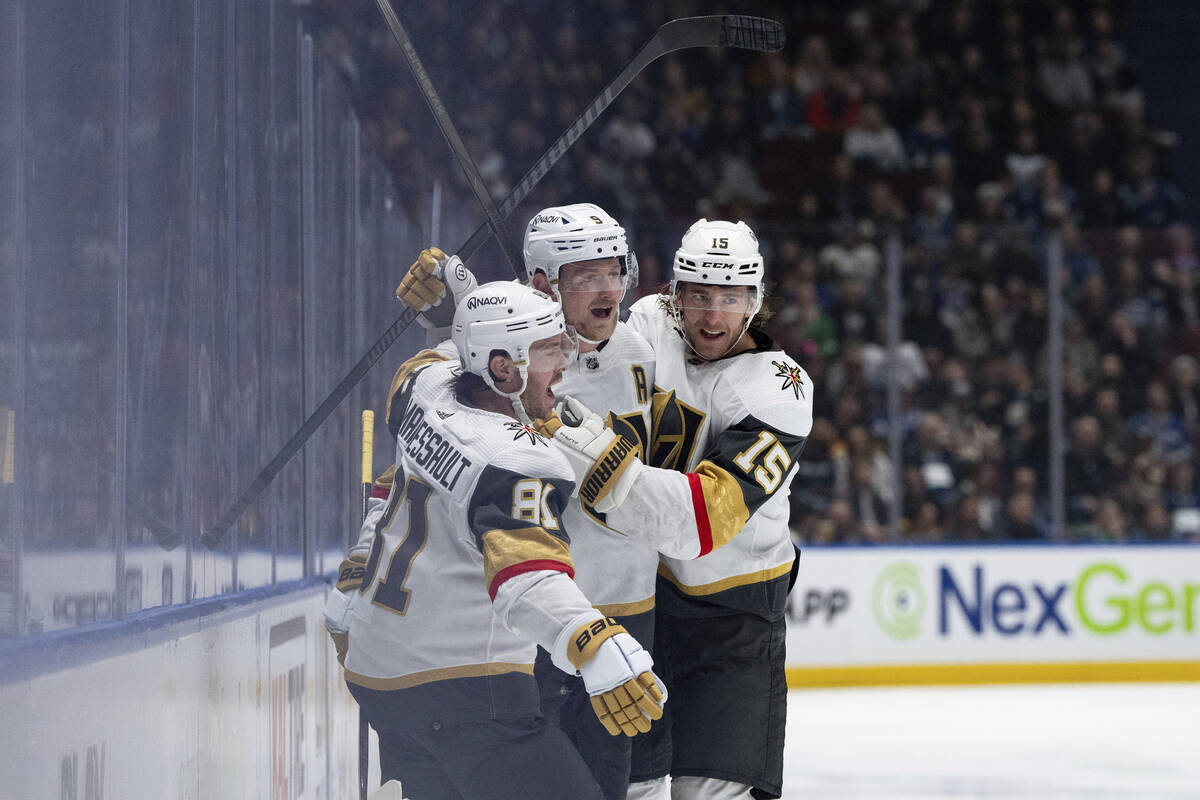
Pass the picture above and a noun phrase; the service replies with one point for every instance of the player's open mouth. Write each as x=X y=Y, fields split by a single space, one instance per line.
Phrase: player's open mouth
x=711 y=336
x=602 y=312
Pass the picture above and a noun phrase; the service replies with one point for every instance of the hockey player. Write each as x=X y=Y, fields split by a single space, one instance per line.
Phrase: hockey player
x=578 y=254
x=469 y=567
x=733 y=424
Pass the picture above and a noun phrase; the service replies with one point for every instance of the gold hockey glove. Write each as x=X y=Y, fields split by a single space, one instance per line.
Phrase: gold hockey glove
x=424 y=286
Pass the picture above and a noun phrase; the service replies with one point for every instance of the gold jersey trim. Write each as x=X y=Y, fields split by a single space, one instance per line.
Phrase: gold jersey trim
x=507 y=548
x=442 y=674
x=627 y=609
x=762 y=576
x=421 y=359
x=724 y=504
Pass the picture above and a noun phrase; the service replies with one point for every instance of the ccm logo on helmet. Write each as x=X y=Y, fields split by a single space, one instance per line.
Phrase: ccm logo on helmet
x=716 y=265
x=493 y=300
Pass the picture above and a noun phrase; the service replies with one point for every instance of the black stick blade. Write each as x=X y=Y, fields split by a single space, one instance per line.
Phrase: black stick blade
x=752 y=33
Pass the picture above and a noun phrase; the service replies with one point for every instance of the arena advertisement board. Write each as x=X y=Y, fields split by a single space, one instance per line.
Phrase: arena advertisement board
x=1000 y=613
x=243 y=701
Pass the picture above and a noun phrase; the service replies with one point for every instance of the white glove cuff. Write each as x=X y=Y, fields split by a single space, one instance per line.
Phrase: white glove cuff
x=558 y=654
x=339 y=612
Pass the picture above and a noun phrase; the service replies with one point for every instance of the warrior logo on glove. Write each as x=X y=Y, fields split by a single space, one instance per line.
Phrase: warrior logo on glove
x=605 y=469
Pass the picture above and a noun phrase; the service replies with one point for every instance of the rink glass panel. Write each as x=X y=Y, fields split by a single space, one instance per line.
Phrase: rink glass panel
x=279 y=303
x=213 y=304
x=71 y=478
x=158 y=491
x=189 y=311
x=11 y=304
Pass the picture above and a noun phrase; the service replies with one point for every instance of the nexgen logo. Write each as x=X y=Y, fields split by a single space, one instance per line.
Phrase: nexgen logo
x=1103 y=600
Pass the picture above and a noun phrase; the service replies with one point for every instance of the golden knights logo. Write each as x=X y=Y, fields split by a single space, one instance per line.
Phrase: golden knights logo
x=675 y=426
x=792 y=379
x=521 y=430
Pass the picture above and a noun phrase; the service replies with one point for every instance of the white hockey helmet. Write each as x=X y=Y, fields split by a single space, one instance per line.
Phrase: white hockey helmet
x=719 y=253
x=580 y=232
x=511 y=317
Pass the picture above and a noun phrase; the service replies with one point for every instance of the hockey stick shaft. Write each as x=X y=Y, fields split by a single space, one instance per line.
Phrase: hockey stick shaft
x=495 y=219
x=753 y=33
x=368 y=452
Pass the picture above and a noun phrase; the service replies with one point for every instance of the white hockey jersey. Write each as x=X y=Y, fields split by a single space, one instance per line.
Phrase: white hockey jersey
x=615 y=571
x=733 y=428
x=469 y=565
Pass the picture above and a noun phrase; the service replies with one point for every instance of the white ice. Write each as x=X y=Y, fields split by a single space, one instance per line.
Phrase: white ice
x=1097 y=741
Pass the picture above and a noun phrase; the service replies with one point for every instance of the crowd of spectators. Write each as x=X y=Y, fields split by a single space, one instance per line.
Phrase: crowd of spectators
x=975 y=130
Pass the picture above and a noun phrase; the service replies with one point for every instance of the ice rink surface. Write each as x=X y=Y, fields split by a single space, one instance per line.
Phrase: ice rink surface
x=1094 y=741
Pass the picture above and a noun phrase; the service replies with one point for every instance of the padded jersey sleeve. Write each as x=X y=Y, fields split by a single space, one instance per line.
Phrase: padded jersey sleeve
x=686 y=515
x=515 y=521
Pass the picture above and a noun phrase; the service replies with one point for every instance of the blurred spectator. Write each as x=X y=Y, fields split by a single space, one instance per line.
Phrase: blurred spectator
x=1145 y=198
x=875 y=143
x=1100 y=205
x=1088 y=472
x=1156 y=523
x=810 y=328
x=842 y=198
x=866 y=502
x=927 y=139
x=852 y=254
x=1161 y=427
x=628 y=137
x=834 y=106
x=779 y=108
x=1020 y=519
x=1110 y=524
x=1185 y=392
x=1025 y=160
x=927 y=525
x=1062 y=76
x=965 y=523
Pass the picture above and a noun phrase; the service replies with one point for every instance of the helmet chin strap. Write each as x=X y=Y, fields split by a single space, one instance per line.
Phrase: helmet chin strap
x=583 y=338
x=514 y=398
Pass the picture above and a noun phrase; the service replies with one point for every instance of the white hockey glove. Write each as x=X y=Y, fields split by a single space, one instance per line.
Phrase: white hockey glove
x=617 y=672
x=423 y=287
x=339 y=611
x=605 y=465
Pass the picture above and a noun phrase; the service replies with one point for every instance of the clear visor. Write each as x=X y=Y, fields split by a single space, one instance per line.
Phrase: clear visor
x=704 y=297
x=553 y=353
x=614 y=275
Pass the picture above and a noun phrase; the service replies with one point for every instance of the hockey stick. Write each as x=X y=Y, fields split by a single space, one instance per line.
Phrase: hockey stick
x=368 y=478
x=731 y=30
x=495 y=220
